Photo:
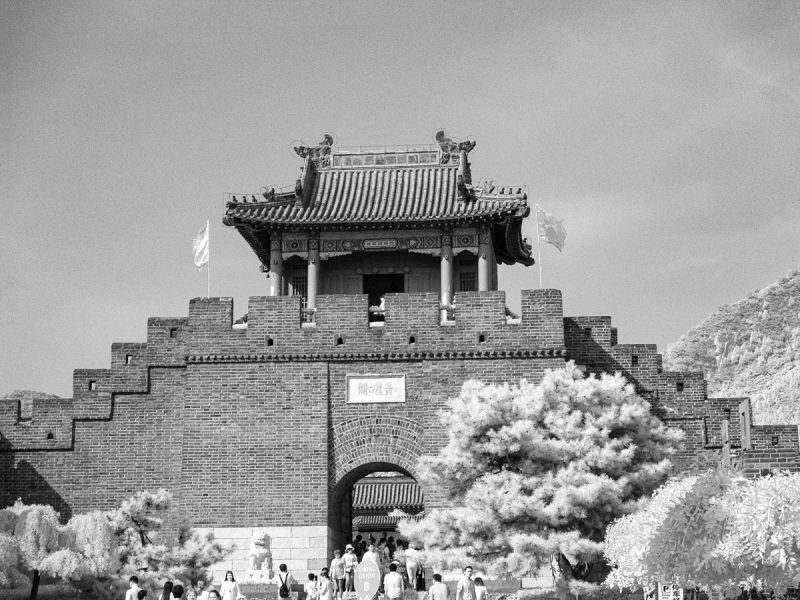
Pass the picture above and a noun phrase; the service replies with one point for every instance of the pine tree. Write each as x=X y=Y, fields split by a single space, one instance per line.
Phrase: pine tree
x=535 y=473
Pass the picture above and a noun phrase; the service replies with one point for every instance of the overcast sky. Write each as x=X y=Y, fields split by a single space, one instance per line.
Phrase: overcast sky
x=666 y=135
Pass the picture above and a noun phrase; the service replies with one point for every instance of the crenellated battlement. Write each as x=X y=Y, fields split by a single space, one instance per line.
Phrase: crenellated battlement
x=342 y=324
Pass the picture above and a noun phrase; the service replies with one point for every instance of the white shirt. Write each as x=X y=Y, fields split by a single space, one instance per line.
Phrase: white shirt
x=132 y=593
x=393 y=584
x=439 y=591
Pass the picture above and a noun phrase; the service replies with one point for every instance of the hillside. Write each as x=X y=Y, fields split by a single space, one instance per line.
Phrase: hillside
x=27 y=395
x=750 y=348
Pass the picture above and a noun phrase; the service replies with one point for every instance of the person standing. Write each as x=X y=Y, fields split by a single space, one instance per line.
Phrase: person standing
x=133 y=592
x=325 y=586
x=393 y=585
x=337 y=573
x=350 y=562
x=177 y=592
x=466 y=587
x=481 y=593
x=438 y=590
x=310 y=587
x=412 y=566
x=284 y=581
x=229 y=590
x=166 y=593
x=372 y=555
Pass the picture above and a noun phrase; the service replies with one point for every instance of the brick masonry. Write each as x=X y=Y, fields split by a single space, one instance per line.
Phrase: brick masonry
x=251 y=428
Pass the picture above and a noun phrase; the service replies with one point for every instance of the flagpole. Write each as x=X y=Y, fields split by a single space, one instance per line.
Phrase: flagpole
x=208 y=266
x=538 y=247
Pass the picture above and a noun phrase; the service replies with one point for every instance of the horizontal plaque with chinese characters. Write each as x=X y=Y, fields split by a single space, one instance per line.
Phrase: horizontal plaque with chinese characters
x=367 y=389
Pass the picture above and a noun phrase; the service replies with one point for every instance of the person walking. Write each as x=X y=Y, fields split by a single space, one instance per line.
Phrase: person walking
x=393 y=584
x=412 y=566
x=466 y=587
x=229 y=590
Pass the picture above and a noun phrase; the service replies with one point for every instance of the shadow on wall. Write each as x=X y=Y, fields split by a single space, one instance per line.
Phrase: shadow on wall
x=24 y=482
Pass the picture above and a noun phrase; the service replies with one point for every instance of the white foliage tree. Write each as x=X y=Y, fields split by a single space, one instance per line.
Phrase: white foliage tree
x=717 y=531
x=536 y=472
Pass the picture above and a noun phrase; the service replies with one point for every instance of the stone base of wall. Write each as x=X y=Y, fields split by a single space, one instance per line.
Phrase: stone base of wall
x=302 y=549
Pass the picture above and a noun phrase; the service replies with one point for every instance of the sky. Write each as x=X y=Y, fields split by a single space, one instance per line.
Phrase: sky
x=666 y=135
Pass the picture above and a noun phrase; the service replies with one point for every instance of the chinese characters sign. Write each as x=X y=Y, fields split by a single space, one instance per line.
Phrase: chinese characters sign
x=366 y=389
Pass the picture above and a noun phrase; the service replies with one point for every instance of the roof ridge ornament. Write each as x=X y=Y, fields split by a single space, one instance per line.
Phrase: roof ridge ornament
x=320 y=154
x=452 y=149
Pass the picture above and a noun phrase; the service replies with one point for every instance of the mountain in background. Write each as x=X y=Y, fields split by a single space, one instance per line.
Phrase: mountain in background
x=750 y=348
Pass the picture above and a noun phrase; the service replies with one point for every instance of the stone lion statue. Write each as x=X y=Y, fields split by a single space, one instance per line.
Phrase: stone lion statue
x=260 y=556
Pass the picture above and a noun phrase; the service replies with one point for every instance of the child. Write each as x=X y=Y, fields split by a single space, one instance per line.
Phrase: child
x=310 y=588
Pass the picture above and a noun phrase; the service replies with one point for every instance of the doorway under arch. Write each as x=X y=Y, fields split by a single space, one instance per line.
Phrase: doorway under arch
x=372 y=494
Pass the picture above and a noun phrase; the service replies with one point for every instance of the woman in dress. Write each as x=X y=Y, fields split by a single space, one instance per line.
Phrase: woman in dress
x=229 y=589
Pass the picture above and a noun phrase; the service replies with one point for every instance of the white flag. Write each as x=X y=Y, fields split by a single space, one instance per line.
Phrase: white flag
x=551 y=229
x=200 y=247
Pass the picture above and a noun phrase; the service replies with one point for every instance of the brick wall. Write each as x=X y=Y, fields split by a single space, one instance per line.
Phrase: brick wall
x=250 y=428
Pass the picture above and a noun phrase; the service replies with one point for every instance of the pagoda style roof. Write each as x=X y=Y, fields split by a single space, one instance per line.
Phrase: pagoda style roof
x=384 y=189
x=375 y=196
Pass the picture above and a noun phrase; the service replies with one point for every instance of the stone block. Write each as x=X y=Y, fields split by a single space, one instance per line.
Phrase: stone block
x=310 y=531
x=277 y=532
x=290 y=542
x=318 y=553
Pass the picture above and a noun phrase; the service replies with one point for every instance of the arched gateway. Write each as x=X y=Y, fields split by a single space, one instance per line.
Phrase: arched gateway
x=382 y=301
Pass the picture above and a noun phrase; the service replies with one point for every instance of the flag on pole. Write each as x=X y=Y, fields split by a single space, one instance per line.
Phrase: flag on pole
x=200 y=247
x=551 y=229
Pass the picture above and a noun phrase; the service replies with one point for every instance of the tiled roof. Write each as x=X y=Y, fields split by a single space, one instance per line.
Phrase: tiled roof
x=386 y=496
x=380 y=195
x=367 y=522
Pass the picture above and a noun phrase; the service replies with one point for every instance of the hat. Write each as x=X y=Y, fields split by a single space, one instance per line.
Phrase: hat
x=349 y=547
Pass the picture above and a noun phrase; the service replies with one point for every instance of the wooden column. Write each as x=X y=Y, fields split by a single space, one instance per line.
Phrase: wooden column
x=446 y=274
x=485 y=260
x=313 y=272
x=275 y=264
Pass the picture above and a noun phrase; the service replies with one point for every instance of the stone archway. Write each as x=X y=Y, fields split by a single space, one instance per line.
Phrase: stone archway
x=359 y=447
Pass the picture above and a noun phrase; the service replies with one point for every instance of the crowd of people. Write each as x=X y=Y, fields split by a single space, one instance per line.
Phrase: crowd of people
x=399 y=565
x=229 y=590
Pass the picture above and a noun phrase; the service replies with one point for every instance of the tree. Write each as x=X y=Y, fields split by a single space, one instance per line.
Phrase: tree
x=32 y=539
x=716 y=530
x=537 y=472
x=138 y=523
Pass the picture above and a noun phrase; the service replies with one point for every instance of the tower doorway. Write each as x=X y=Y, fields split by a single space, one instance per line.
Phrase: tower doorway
x=369 y=502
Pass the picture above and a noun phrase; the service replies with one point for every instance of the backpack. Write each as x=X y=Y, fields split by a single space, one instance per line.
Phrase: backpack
x=283 y=591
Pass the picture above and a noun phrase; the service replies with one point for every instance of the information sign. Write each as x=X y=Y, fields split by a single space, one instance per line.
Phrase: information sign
x=366 y=580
